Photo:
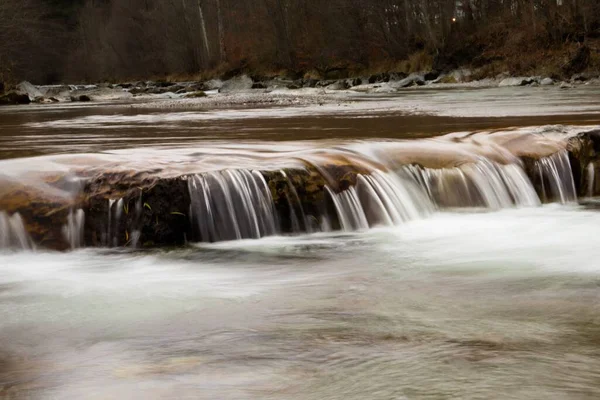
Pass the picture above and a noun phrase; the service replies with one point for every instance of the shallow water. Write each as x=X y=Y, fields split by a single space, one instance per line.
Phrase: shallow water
x=455 y=304
x=481 y=305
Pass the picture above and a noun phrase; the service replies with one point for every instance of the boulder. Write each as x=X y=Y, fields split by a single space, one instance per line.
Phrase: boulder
x=82 y=98
x=379 y=78
x=517 y=81
x=339 y=85
x=310 y=82
x=14 y=98
x=565 y=85
x=412 y=80
x=29 y=89
x=431 y=75
x=547 y=82
x=237 y=84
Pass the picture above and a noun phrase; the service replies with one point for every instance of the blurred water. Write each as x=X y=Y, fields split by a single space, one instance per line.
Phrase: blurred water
x=481 y=305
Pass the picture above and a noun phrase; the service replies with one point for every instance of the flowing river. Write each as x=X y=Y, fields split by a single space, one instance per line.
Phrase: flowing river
x=430 y=245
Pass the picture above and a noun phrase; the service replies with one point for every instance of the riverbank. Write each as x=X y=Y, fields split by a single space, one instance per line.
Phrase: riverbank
x=244 y=90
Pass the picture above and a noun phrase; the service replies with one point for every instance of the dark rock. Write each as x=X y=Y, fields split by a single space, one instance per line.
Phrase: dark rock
x=335 y=73
x=379 y=78
x=13 y=98
x=412 y=80
x=294 y=86
x=338 y=85
x=259 y=85
x=431 y=75
x=324 y=83
x=398 y=76
x=310 y=82
x=82 y=98
x=355 y=82
x=163 y=84
x=138 y=90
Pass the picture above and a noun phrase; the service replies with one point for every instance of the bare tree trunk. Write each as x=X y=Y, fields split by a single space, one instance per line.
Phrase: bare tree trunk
x=186 y=20
x=222 y=49
x=203 y=27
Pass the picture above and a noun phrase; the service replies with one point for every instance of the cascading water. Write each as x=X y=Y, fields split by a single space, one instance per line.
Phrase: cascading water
x=591 y=179
x=343 y=188
x=73 y=229
x=379 y=199
x=482 y=184
x=231 y=205
x=556 y=178
x=13 y=233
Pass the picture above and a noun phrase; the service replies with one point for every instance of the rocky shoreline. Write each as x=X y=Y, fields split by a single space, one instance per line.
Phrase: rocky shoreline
x=279 y=90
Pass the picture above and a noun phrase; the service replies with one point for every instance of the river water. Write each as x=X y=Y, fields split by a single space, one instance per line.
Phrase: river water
x=453 y=303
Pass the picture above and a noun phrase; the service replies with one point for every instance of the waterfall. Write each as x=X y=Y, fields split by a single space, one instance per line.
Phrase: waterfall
x=556 y=178
x=73 y=229
x=231 y=205
x=591 y=179
x=481 y=184
x=379 y=199
x=13 y=233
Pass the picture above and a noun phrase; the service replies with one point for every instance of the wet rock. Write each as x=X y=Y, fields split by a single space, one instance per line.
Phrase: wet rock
x=379 y=78
x=584 y=153
x=13 y=98
x=431 y=76
x=518 y=81
x=195 y=95
x=310 y=82
x=237 y=84
x=412 y=80
x=29 y=89
x=81 y=98
x=547 y=82
x=339 y=85
x=565 y=85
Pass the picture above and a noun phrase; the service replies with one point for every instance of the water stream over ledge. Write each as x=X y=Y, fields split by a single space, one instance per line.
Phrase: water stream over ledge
x=460 y=266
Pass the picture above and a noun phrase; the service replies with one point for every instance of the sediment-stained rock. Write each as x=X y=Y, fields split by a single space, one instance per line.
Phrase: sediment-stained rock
x=148 y=208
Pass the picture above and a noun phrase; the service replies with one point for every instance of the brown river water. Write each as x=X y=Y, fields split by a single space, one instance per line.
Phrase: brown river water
x=495 y=301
